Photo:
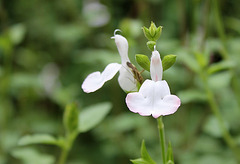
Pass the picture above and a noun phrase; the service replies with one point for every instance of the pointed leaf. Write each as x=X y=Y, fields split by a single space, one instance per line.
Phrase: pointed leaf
x=39 y=139
x=168 y=61
x=223 y=65
x=140 y=161
x=143 y=61
x=93 y=115
x=145 y=154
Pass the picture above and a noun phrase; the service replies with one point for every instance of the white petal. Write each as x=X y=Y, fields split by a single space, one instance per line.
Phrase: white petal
x=156 y=69
x=167 y=106
x=153 y=99
x=126 y=79
x=95 y=80
x=122 y=46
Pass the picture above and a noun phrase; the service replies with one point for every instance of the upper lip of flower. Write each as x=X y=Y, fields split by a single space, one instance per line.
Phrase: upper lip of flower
x=95 y=80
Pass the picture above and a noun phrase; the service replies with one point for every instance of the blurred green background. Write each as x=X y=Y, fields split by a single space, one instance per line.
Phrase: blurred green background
x=48 y=47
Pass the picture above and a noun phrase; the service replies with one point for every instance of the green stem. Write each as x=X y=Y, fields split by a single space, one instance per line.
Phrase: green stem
x=63 y=156
x=162 y=138
x=215 y=109
x=67 y=147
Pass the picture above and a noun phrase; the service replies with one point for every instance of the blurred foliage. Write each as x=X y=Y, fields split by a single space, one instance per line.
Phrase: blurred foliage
x=47 y=48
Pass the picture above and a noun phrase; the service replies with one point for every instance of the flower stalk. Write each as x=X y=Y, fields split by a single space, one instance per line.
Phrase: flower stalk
x=162 y=138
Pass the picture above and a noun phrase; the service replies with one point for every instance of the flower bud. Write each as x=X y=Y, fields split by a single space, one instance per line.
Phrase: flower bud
x=151 y=45
x=152 y=33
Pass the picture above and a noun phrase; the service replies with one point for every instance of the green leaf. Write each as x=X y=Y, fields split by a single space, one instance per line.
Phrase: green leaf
x=30 y=156
x=70 y=118
x=143 y=61
x=145 y=154
x=223 y=65
x=201 y=59
x=145 y=157
x=39 y=139
x=139 y=161
x=168 y=61
x=192 y=95
x=93 y=115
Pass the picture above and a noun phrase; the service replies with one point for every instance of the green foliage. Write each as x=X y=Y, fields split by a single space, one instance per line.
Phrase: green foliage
x=30 y=156
x=40 y=139
x=92 y=116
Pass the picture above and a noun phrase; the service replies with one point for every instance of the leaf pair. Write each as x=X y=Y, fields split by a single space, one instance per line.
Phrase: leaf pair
x=144 y=61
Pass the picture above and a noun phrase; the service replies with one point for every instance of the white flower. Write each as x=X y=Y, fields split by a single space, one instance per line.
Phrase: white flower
x=154 y=97
x=126 y=80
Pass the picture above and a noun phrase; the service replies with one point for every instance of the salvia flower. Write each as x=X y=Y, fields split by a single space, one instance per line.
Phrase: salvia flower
x=154 y=97
x=96 y=80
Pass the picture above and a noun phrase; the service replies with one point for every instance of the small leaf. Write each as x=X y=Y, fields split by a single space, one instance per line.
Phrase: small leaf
x=93 y=115
x=70 y=118
x=223 y=65
x=39 y=139
x=145 y=154
x=143 y=61
x=139 y=161
x=145 y=157
x=168 y=61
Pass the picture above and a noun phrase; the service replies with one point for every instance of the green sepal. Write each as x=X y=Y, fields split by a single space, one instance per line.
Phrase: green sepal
x=145 y=157
x=150 y=45
x=70 y=118
x=168 y=61
x=143 y=61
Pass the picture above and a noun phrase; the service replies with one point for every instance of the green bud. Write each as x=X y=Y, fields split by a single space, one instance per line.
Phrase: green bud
x=151 y=44
x=152 y=33
x=70 y=118
x=143 y=61
x=168 y=61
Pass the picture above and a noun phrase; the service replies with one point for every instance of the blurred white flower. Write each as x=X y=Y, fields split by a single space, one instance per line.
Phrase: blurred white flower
x=95 y=14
